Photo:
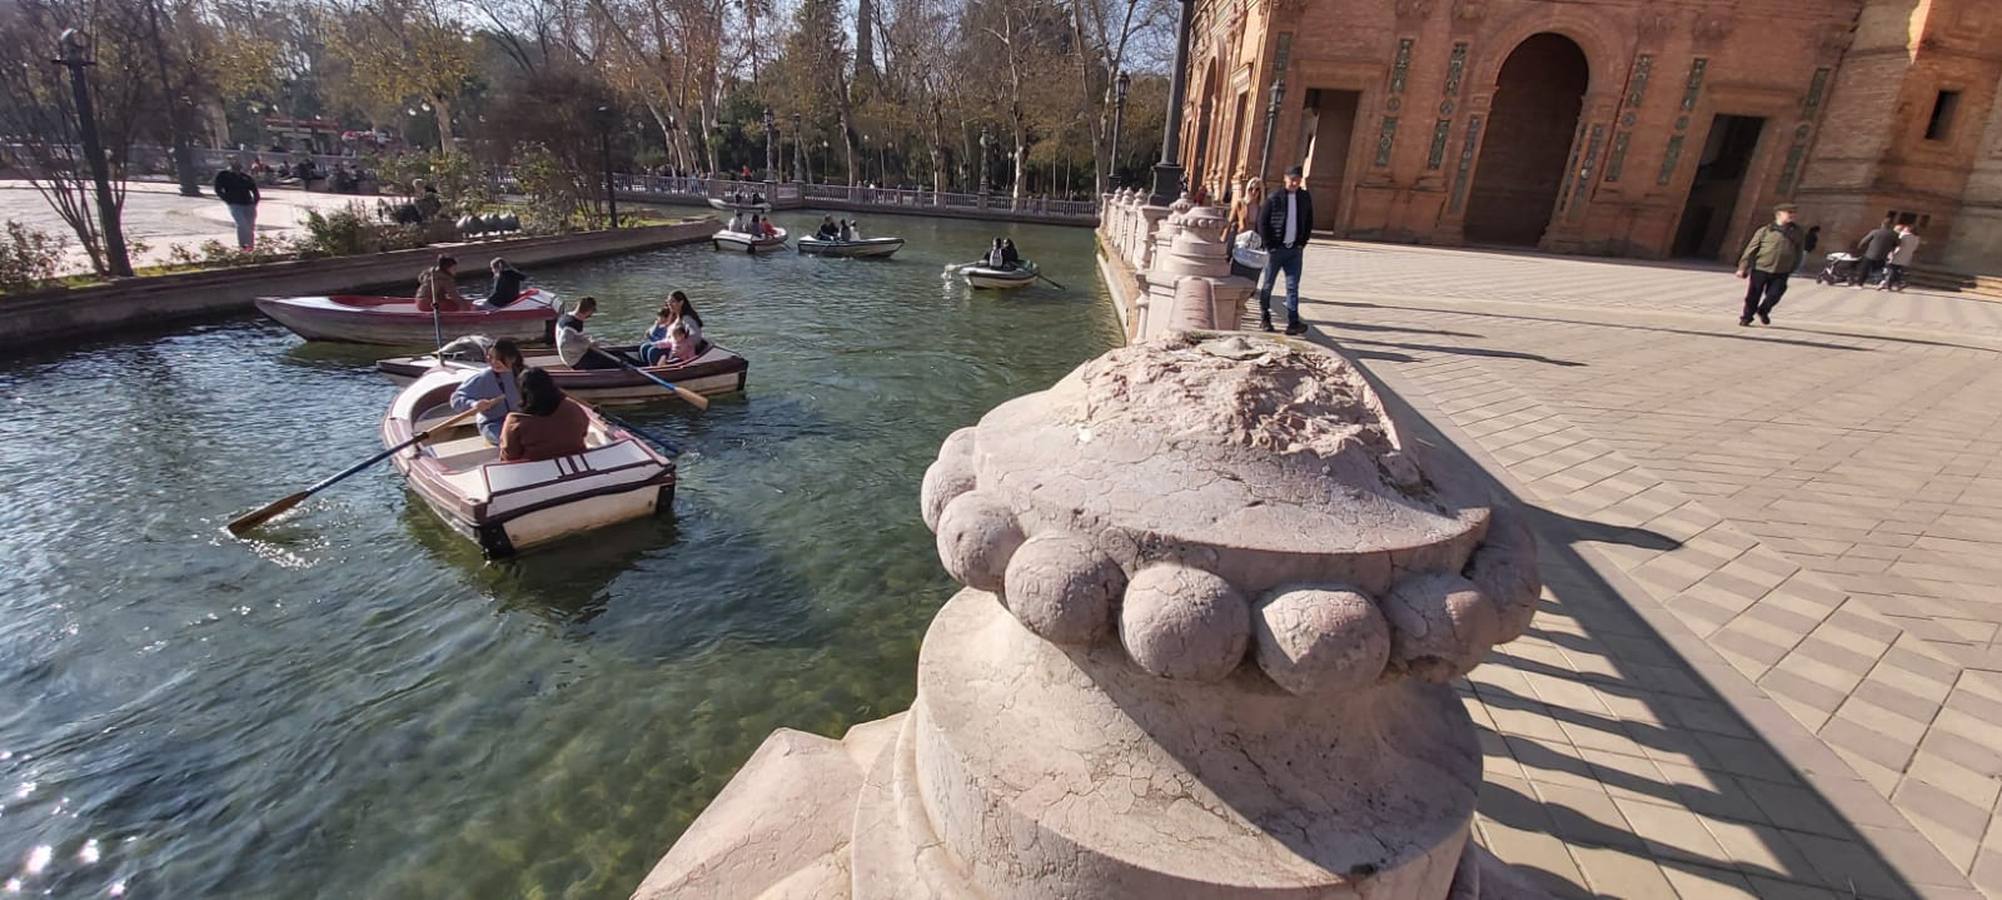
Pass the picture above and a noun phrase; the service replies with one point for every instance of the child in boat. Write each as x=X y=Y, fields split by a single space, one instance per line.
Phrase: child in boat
x=763 y=227
x=549 y=424
x=579 y=350
x=495 y=390
x=438 y=287
x=659 y=346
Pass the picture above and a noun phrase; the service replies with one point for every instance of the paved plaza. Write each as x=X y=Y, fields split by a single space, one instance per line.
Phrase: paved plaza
x=157 y=215
x=1767 y=665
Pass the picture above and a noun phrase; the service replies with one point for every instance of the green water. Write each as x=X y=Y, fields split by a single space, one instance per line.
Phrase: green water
x=356 y=705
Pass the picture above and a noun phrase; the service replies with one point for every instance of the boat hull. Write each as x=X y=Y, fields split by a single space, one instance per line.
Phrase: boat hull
x=741 y=242
x=395 y=321
x=864 y=249
x=511 y=507
x=719 y=371
x=998 y=279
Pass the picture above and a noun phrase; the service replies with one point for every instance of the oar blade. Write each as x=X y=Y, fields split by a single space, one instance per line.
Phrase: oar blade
x=694 y=399
x=257 y=517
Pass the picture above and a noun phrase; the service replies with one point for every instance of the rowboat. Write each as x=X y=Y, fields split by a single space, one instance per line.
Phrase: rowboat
x=748 y=243
x=867 y=247
x=731 y=205
x=510 y=507
x=719 y=370
x=396 y=321
x=1000 y=279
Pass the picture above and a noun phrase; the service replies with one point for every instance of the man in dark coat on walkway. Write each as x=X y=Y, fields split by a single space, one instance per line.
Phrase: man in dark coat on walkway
x=1875 y=249
x=1284 y=222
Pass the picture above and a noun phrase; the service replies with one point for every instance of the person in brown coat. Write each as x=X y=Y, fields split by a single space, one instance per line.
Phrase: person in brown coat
x=549 y=424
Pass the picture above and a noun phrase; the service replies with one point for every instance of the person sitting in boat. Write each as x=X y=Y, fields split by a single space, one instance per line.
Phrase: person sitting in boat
x=996 y=257
x=548 y=425
x=507 y=285
x=854 y=230
x=579 y=350
x=762 y=227
x=660 y=346
x=828 y=231
x=1010 y=258
x=438 y=287
x=847 y=230
x=495 y=390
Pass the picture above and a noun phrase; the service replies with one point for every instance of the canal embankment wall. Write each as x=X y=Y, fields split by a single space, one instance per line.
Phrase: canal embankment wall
x=816 y=204
x=155 y=301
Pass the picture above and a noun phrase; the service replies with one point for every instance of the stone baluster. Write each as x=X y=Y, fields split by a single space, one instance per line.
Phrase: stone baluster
x=1214 y=602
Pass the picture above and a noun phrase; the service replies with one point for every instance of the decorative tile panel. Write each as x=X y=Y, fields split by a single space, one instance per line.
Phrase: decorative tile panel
x=1668 y=160
x=1617 y=162
x=1437 y=156
x=1466 y=163
x=1694 y=86
x=1386 y=137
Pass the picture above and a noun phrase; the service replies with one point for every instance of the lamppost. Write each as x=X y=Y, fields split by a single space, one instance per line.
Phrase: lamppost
x=1120 y=86
x=771 y=147
x=865 y=162
x=75 y=56
x=985 y=140
x=1271 y=122
x=1168 y=172
x=883 y=161
x=605 y=152
x=826 y=157
x=798 y=150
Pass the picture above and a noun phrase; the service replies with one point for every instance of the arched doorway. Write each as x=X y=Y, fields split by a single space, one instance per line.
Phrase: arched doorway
x=1530 y=129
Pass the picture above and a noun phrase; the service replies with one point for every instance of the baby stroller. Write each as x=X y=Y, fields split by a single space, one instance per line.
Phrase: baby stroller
x=1839 y=268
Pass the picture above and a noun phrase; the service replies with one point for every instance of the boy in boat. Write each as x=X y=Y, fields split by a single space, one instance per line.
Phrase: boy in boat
x=763 y=228
x=438 y=287
x=495 y=390
x=579 y=350
x=507 y=285
x=549 y=425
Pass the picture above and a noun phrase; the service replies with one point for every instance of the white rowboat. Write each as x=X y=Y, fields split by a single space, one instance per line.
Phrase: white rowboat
x=510 y=507
x=867 y=247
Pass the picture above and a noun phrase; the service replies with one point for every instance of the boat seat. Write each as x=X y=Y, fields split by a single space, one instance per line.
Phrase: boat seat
x=464 y=453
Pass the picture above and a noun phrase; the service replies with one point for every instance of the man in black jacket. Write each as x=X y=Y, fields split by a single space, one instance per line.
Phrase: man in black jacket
x=1284 y=222
x=239 y=192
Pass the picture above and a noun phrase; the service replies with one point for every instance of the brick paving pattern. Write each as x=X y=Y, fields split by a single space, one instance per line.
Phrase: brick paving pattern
x=1767 y=665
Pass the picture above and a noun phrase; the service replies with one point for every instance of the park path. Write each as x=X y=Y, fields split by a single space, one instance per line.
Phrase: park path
x=1767 y=664
x=157 y=215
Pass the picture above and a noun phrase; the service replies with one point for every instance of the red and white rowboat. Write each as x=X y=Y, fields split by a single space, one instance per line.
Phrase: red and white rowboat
x=509 y=507
x=396 y=321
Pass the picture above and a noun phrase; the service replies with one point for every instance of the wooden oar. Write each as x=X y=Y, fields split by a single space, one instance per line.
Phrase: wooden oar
x=1052 y=281
x=258 y=517
x=694 y=399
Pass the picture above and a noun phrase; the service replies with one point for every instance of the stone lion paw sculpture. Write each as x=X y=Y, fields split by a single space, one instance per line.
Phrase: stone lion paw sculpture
x=1213 y=501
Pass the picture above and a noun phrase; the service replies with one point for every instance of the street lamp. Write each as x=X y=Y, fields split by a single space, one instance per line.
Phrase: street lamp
x=1120 y=86
x=798 y=150
x=1271 y=122
x=984 y=141
x=1168 y=172
x=771 y=147
x=75 y=56
x=826 y=158
x=605 y=149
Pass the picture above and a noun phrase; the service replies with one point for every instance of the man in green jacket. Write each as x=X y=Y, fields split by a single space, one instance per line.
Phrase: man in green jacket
x=1773 y=253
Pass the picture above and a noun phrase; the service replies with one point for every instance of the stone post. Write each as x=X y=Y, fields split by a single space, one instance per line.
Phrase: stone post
x=1187 y=245
x=1213 y=605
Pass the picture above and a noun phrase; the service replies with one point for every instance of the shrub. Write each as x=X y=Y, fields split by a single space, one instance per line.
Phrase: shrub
x=555 y=194
x=29 y=257
x=462 y=183
x=344 y=232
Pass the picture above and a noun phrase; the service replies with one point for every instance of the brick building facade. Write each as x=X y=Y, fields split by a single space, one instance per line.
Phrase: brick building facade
x=1657 y=129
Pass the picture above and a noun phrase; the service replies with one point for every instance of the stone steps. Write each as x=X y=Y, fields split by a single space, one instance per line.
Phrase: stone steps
x=1988 y=287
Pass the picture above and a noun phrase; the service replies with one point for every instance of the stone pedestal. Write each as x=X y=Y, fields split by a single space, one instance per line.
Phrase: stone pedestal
x=1187 y=246
x=1213 y=605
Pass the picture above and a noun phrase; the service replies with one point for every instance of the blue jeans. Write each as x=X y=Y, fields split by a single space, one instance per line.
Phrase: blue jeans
x=1280 y=259
x=245 y=215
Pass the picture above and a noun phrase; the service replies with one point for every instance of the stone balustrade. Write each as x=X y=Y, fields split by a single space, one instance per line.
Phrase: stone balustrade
x=1167 y=246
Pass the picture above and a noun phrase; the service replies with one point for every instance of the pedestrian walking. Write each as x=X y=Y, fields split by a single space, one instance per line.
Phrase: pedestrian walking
x=1284 y=222
x=238 y=191
x=1808 y=244
x=1875 y=248
x=1894 y=267
x=1770 y=256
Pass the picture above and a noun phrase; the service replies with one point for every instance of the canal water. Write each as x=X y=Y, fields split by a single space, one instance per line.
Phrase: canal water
x=356 y=705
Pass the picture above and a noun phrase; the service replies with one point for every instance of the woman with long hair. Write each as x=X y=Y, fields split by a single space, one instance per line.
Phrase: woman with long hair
x=549 y=425
x=678 y=310
x=495 y=390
